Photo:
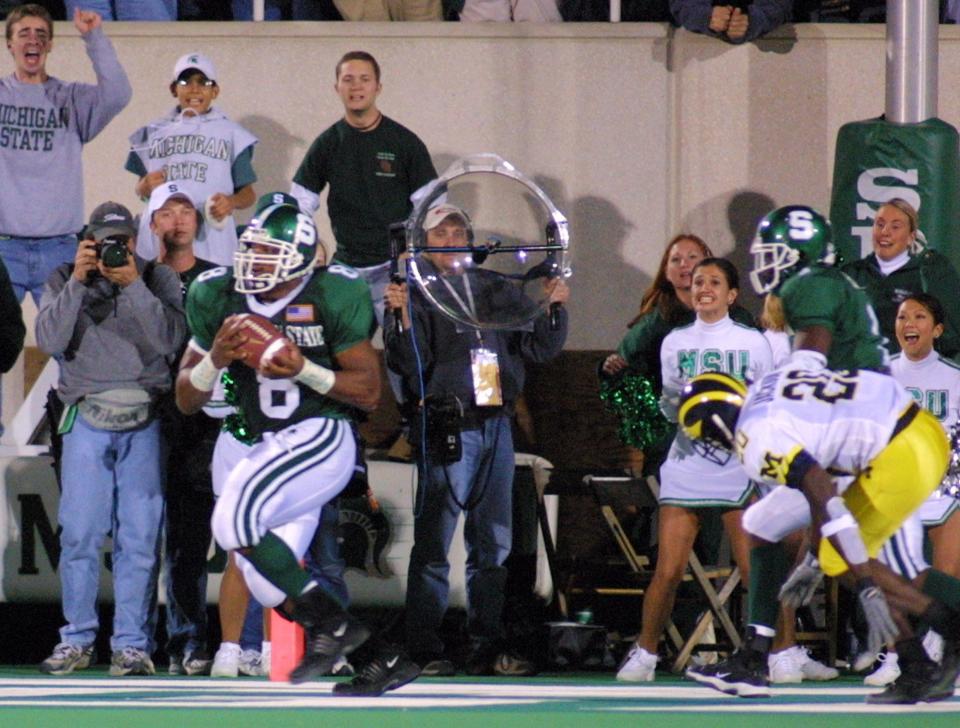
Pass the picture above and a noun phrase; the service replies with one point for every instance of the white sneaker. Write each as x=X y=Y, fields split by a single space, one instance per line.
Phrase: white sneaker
x=786 y=666
x=888 y=671
x=933 y=645
x=638 y=666
x=863 y=661
x=815 y=670
x=226 y=663
x=265 y=653
x=251 y=663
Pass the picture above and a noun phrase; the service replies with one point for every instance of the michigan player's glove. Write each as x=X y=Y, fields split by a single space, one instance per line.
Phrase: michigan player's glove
x=799 y=587
x=882 y=629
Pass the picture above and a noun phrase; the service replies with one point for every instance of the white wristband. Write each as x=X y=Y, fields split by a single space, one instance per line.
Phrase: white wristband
x=203 y=375
x=316 y=377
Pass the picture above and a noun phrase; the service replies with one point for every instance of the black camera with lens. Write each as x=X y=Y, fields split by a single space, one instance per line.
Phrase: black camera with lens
x=113 y=252
x=444 y=420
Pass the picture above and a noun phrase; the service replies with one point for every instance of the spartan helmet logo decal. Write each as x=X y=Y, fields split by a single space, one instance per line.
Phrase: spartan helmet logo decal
x=363 y=534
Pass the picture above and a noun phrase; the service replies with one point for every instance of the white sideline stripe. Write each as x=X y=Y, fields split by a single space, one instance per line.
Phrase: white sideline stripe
x=287 y=703
x=756 y=706
x=208 y=686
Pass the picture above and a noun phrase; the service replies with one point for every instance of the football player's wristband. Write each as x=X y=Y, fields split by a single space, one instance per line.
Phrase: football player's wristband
x=316 y=377
x=203 y=375
x=844 y=528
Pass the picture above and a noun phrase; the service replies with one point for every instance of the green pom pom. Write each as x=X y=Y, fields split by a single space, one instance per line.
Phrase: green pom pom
x=235 y=424
x=632 y=398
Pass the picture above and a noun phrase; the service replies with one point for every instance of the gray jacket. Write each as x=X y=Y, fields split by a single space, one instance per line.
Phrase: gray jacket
x=43 y=128
x=106 y=337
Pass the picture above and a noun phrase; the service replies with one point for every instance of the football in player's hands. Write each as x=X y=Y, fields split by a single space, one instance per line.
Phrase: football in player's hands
x=263 y=339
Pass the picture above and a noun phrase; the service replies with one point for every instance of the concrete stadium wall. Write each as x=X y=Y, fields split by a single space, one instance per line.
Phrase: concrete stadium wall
x=637 y=131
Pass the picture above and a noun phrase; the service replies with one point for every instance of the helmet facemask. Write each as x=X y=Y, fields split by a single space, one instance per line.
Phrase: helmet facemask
x=772 y=264
x=263 y=260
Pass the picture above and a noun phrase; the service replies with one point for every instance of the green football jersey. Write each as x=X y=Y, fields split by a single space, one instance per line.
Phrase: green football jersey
x=332 y=313
x=823 y=296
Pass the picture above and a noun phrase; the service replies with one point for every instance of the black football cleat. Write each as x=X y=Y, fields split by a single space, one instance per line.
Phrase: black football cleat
x=326 y=645
x=921 y=681
x=738 y=675
x=388 y=670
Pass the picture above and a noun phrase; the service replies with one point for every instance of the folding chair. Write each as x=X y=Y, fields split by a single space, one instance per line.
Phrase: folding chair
x=646 y=494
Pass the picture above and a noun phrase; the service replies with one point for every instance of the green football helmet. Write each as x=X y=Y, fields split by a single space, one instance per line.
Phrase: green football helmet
x=789 y=239
x=279 y=244
x=709 y=407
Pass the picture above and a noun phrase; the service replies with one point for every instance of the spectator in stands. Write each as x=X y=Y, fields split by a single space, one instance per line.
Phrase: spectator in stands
x=899 y=265
x=372 y=164
x=737 y=21
x=505 y=11
x=174 y=221
x=126 y=9
x=47 y=122
x=208 y=156
x=111 y=320
x=433 y=354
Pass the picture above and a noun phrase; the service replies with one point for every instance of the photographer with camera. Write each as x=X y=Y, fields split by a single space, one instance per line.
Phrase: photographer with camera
x=111 y=320
x=471 y=380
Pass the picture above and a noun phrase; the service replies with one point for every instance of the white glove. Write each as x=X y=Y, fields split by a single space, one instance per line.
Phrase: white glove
x=670 y=405
x=800 y=586
x=682 y=446
x=882 y=629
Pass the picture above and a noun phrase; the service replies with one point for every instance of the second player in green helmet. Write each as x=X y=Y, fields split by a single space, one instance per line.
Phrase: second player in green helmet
x=828 y=314
x=788 y=239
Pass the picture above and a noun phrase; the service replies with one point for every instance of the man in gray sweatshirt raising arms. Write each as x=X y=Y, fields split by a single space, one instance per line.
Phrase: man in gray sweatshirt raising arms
x=44 y=123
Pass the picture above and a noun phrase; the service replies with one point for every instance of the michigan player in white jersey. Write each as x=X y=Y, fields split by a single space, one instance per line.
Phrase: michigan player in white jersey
x=854 y=456
x=297 y=407
x=690 y=482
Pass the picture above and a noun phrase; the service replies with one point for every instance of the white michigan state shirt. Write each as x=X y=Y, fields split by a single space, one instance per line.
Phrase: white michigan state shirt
x=934 y=384
x=686 y=478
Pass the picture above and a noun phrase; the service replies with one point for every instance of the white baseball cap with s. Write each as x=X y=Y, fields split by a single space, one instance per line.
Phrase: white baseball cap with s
x=194 y=61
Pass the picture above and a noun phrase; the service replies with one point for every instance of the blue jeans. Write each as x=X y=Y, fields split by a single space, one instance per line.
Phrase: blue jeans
x=377 y=277
x=324 y=563
x=126 y=9
x=111 y=486
x=30 y=261
x=482 y=480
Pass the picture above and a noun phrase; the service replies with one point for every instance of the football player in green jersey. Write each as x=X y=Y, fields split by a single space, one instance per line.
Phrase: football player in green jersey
x=297 y=405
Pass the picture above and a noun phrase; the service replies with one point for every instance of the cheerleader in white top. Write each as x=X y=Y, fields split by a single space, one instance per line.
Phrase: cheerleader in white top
x=689 y=482
x=934 y=382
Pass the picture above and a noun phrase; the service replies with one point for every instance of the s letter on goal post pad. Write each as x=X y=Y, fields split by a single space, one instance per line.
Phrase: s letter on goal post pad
x=876 y=161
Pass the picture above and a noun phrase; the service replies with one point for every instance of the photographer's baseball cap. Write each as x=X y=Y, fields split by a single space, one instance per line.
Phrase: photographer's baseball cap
x=167 y=191
x=194 y=62
x=111 y=218
x=438 y=214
